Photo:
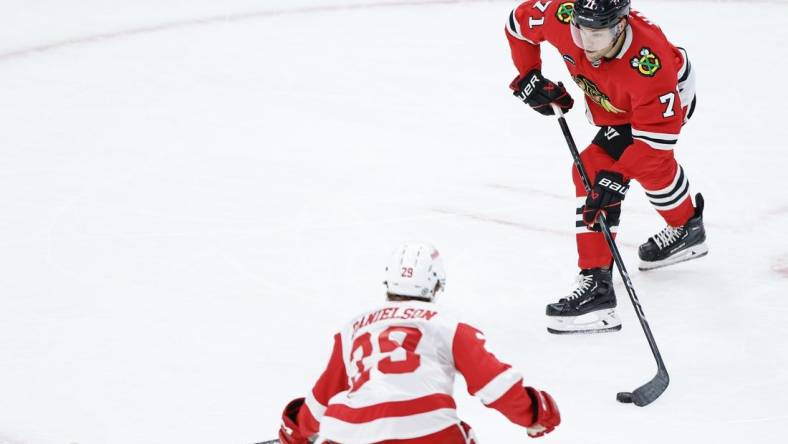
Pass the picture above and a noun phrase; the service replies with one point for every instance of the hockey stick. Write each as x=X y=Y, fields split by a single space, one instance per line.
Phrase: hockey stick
x=272 y=441
x=650 y=391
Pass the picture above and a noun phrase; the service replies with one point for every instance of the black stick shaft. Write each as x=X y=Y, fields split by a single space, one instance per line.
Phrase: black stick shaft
x=611 y=242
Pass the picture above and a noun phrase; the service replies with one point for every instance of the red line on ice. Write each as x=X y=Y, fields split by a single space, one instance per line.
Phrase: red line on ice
x=96 y=38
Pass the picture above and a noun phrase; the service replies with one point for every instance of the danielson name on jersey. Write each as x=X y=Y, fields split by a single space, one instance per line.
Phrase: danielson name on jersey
x=391 y=376
x=648 y=84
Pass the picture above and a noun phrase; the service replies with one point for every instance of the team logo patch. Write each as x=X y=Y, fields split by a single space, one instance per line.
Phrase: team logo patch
x=565 y=12
x=593 y=92
x=647 y=63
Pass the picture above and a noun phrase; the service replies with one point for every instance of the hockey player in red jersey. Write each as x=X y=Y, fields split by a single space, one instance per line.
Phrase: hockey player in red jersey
x=639 y=91
x=390 y=376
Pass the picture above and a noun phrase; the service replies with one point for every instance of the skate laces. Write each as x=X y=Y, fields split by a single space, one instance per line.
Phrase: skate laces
x=667 y=236
x=583 y=284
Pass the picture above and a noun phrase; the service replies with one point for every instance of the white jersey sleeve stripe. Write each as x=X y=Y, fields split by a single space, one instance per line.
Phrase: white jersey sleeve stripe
x=686 y=85
x=514 y=28
x=685 y=67
x=317 y=409
x=498 y=386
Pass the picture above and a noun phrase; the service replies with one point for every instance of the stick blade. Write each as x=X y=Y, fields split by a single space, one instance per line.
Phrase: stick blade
x=650 y=391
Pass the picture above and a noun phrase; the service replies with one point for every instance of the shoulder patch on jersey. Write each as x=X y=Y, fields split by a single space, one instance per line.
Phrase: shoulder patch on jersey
x=597 y=96
x=647 y=63
x=565 y=12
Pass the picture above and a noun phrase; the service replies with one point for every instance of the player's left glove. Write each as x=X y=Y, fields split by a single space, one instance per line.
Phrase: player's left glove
x=539 y=92
x=606 y=195
x=288 y=431
x=546 y=414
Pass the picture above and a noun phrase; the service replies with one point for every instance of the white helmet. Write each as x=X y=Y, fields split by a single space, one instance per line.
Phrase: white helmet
x=415 y=269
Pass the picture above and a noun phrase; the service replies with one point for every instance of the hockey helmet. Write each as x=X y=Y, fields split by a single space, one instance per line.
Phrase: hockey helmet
x=599 y=14
x=415 y=270
x=596 y=25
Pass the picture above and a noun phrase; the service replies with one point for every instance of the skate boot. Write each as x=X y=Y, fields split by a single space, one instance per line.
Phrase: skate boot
x=589 y=309
x=676 y=244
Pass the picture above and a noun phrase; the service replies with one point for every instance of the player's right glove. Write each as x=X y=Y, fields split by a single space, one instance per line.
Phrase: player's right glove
x=539 y=92
x=546 y=414
x=288 y=431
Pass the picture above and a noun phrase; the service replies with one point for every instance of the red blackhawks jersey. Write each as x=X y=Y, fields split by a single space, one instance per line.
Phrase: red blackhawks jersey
x=648 y=84
x=391 y=376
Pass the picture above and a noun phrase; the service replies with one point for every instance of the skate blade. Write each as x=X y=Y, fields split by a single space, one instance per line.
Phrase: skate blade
x=695 y=252
x=601 y=321
x=584 y=332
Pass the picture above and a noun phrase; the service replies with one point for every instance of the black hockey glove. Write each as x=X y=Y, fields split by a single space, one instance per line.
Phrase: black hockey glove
x=539 y=93
x=606 y=195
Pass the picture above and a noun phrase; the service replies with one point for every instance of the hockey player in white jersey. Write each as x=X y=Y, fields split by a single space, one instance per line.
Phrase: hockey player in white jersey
x=390 y=376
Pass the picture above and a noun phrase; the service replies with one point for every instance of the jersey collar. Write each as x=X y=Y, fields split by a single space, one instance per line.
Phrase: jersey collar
x=627 y=42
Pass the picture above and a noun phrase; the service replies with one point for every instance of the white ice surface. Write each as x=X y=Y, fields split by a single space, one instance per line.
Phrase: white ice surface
x=190 y=205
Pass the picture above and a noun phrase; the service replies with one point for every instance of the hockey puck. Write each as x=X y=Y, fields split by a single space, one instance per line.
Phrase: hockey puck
x=625 y=397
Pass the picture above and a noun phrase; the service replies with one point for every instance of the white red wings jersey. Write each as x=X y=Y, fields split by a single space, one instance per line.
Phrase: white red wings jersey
x=391 y=376
x=648 y=84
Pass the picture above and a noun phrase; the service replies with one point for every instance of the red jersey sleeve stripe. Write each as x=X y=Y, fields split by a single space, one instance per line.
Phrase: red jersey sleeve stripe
x=410 y=407
x=308 y=425
x=477 y=365
x=332 y=381
x=334 y=378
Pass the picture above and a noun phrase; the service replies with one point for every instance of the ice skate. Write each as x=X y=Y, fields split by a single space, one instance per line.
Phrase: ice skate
x=589 y=309
x=676 y=244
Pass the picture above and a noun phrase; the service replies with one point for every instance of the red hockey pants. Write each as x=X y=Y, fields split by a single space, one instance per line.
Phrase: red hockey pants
x=666 y=185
